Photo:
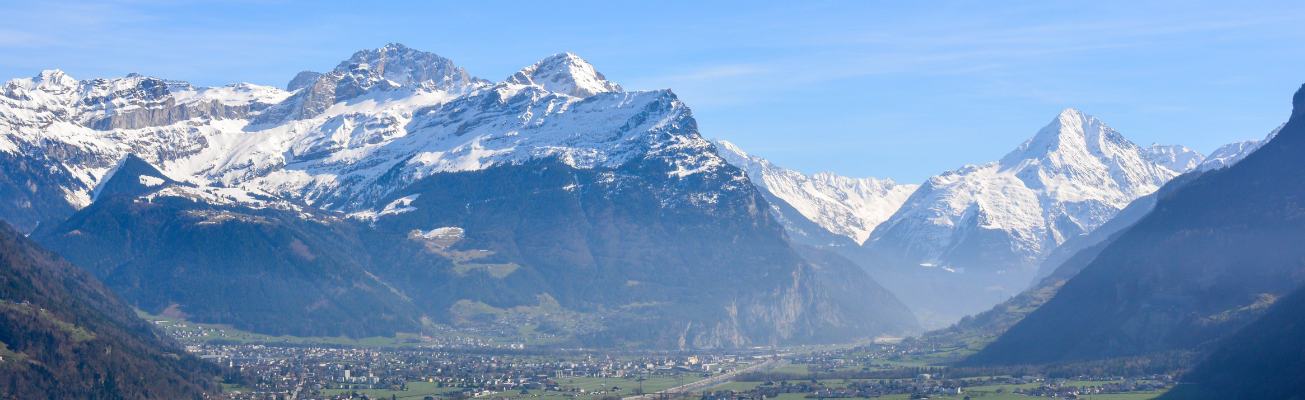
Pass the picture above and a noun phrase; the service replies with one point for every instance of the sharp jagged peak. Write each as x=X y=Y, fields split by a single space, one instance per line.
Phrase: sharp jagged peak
x=46 y=80
x=52 y=75
x=403 y=65
x=1072 y=131
x=567 y=74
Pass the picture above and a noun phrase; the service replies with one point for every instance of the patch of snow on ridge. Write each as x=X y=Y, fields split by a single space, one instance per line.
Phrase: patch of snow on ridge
x=402 y=205
x=1232 y=153
x=150 y=181
x=445 y=232
x=223 y=196
x=232 y=95
x=849 y=207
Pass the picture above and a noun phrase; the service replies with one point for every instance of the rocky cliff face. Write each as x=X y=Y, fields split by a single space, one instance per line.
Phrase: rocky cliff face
x=369 y=71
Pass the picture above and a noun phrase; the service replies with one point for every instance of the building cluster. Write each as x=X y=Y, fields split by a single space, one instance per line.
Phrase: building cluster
x=1070 y=392
x=312 y=372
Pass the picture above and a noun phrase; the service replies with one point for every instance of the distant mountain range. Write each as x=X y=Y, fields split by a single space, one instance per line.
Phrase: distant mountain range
x=968 y=239
x=850 y=208
x=396 y=192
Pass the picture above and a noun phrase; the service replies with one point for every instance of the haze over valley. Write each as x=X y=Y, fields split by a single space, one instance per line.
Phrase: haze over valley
x=393 y=225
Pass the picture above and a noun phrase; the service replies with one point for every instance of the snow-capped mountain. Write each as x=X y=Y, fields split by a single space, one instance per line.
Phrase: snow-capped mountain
x=1225 y=156
x=1071 y=177
x=567 y=185
x=380 y=120
x=567 y=74
x=992 y=224
x=849 y=207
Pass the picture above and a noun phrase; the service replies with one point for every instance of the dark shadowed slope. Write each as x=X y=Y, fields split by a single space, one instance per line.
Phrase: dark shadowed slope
x=713 y=274
x=168 y=248
x=1265 y=360
x=63 y=335
x=605 y=241
x=1072 y=257
x=1187 y=273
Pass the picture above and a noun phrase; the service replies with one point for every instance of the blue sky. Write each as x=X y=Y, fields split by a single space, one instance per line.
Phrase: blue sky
x=885 y=89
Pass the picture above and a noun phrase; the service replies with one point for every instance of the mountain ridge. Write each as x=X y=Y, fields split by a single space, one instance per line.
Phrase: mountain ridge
x=849 y=207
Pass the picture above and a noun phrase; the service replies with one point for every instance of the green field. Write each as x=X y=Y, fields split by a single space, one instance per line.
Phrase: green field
x=235 y=335
x=653 y=383
x=985 y=392
x=415 y=390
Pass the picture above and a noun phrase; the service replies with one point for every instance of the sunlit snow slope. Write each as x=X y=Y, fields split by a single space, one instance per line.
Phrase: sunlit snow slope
x=380 y=120
x=849 y=207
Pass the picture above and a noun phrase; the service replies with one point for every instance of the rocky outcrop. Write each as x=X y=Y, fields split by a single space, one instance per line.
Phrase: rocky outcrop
x=388 y=68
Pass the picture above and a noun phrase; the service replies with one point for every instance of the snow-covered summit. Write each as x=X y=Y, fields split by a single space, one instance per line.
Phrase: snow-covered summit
x=1072 y=176
x=393 y=68
x=567 y=74
x=396 y=65
x=850 y=207
x=380 y=120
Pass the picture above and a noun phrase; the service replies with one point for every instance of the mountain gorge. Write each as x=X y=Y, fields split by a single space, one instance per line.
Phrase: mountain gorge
x=384 y=195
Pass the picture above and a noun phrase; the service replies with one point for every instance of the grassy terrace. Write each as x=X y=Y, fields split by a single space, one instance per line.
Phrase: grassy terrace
x=229 y=333
x=416 y=390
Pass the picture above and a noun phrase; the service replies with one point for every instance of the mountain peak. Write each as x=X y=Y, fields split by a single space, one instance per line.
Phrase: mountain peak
x=134 y=176
x=51 y=78
x=402 y=65
x=1072 y=131
x=1071 y=113
x=567 y=74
